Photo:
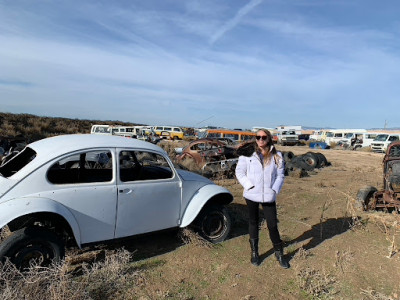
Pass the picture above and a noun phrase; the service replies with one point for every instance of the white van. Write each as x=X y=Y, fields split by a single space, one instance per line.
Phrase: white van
x=126 y=131
x=318 y=135
x=382 y=141
x=342 y=135
x=100 y=129
x=365 y=139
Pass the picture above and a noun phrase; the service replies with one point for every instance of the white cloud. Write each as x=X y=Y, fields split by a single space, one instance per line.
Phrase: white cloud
x=229 y=25
x=114 y=62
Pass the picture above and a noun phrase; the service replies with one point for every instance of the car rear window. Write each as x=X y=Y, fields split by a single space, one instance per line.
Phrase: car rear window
x=16 y=162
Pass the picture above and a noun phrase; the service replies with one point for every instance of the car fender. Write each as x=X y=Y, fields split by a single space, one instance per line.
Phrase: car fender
x=200 y=198
x=15 y=208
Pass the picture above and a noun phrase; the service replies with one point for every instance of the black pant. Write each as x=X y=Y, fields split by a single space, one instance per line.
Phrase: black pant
x=271 y=217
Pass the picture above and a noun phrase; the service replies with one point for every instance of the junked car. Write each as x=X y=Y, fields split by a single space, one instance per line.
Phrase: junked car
x=206 y=150
x=92 y=188
x=211 y=156
x=388 y=198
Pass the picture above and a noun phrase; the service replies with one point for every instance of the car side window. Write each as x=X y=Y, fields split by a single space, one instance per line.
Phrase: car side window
x=143 y=165
x=86 y=167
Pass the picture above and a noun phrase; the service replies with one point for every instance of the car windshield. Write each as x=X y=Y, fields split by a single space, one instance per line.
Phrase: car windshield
x=381 y=137
x=349 y=135
x=329 y=134
x=16 y=162
x=288 y=132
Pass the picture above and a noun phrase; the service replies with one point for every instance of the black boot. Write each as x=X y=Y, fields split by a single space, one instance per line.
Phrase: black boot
x=280 y=257
x=255 y=259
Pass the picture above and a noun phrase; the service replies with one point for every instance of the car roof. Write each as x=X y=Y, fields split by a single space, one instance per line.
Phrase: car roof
x=53 y=147
x=66 y=143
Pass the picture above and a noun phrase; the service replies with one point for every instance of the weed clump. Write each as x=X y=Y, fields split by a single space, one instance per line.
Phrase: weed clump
x=111 y=278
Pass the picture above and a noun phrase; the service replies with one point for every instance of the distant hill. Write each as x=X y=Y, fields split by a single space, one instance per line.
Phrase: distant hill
x=34 y=128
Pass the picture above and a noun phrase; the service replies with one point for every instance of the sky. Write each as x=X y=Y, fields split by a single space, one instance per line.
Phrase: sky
x=228 y=63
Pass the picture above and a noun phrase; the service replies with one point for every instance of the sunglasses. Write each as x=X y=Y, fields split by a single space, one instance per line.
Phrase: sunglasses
x=263 y=137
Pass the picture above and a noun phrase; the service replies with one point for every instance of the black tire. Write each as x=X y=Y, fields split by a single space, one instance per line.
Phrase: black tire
x=322 y=161
x=32 y=245
x=214 y=223
x=299 y=162
x=288 y=155
x=288 y=168
x=364 y=196
x=311 y=159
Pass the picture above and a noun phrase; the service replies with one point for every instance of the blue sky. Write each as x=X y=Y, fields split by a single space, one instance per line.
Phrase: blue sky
x=230 y=63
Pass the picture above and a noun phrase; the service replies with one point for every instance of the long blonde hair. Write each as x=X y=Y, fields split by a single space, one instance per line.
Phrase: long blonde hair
x=270 y=150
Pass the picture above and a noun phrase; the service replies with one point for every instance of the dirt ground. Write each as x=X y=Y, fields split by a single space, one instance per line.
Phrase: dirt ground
x=335 y=252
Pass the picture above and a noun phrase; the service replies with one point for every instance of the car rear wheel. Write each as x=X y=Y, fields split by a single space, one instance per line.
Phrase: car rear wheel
x=214 y=223
x=364 y=196
x=32 y=245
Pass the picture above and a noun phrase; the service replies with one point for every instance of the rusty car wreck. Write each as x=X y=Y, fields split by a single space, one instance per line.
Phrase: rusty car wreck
x=213 y=158
x=387 y=199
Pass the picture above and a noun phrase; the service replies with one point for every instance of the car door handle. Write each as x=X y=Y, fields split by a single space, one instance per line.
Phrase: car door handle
x=125 y=191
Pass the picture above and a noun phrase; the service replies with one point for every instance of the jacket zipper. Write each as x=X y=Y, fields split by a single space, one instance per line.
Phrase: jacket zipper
x=262 y=166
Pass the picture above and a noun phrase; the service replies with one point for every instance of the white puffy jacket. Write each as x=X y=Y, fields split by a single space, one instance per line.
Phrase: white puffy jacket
x=260 y=183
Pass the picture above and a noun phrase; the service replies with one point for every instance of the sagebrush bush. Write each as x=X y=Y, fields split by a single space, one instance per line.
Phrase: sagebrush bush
x=112 y=278
x=35 y=128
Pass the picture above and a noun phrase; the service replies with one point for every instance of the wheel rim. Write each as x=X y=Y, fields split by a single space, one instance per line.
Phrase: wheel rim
x=214 y=225
x=37 y=252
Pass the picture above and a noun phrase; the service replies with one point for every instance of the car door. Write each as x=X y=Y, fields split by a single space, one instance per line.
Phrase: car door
x=149 y=193
x=84 y=182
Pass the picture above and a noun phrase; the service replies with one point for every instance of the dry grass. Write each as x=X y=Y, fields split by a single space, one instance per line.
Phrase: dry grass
x=374 y=295
x=317 y=283
x=343 y=259
x=188 y=236
x=111 y=278
x=332 y=145
x=4 y=233
x=390 y=227
x=169 y=146
x=34 y=127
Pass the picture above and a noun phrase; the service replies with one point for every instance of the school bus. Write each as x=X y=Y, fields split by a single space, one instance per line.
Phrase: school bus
x=235 y=135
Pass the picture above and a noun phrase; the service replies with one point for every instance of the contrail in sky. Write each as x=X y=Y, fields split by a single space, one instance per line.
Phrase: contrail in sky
x=233 y=22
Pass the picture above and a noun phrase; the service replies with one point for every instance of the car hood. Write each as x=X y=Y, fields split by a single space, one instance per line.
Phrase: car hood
x=190 y=176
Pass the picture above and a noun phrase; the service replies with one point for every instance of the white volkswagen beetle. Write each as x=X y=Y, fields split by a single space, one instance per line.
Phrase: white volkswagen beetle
x=93 y=188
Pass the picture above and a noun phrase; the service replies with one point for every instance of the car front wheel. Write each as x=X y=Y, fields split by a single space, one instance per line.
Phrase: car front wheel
x=214 y=223
x=32 y=245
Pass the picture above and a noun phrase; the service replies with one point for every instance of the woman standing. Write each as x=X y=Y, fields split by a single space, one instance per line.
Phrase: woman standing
x=262 y=176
